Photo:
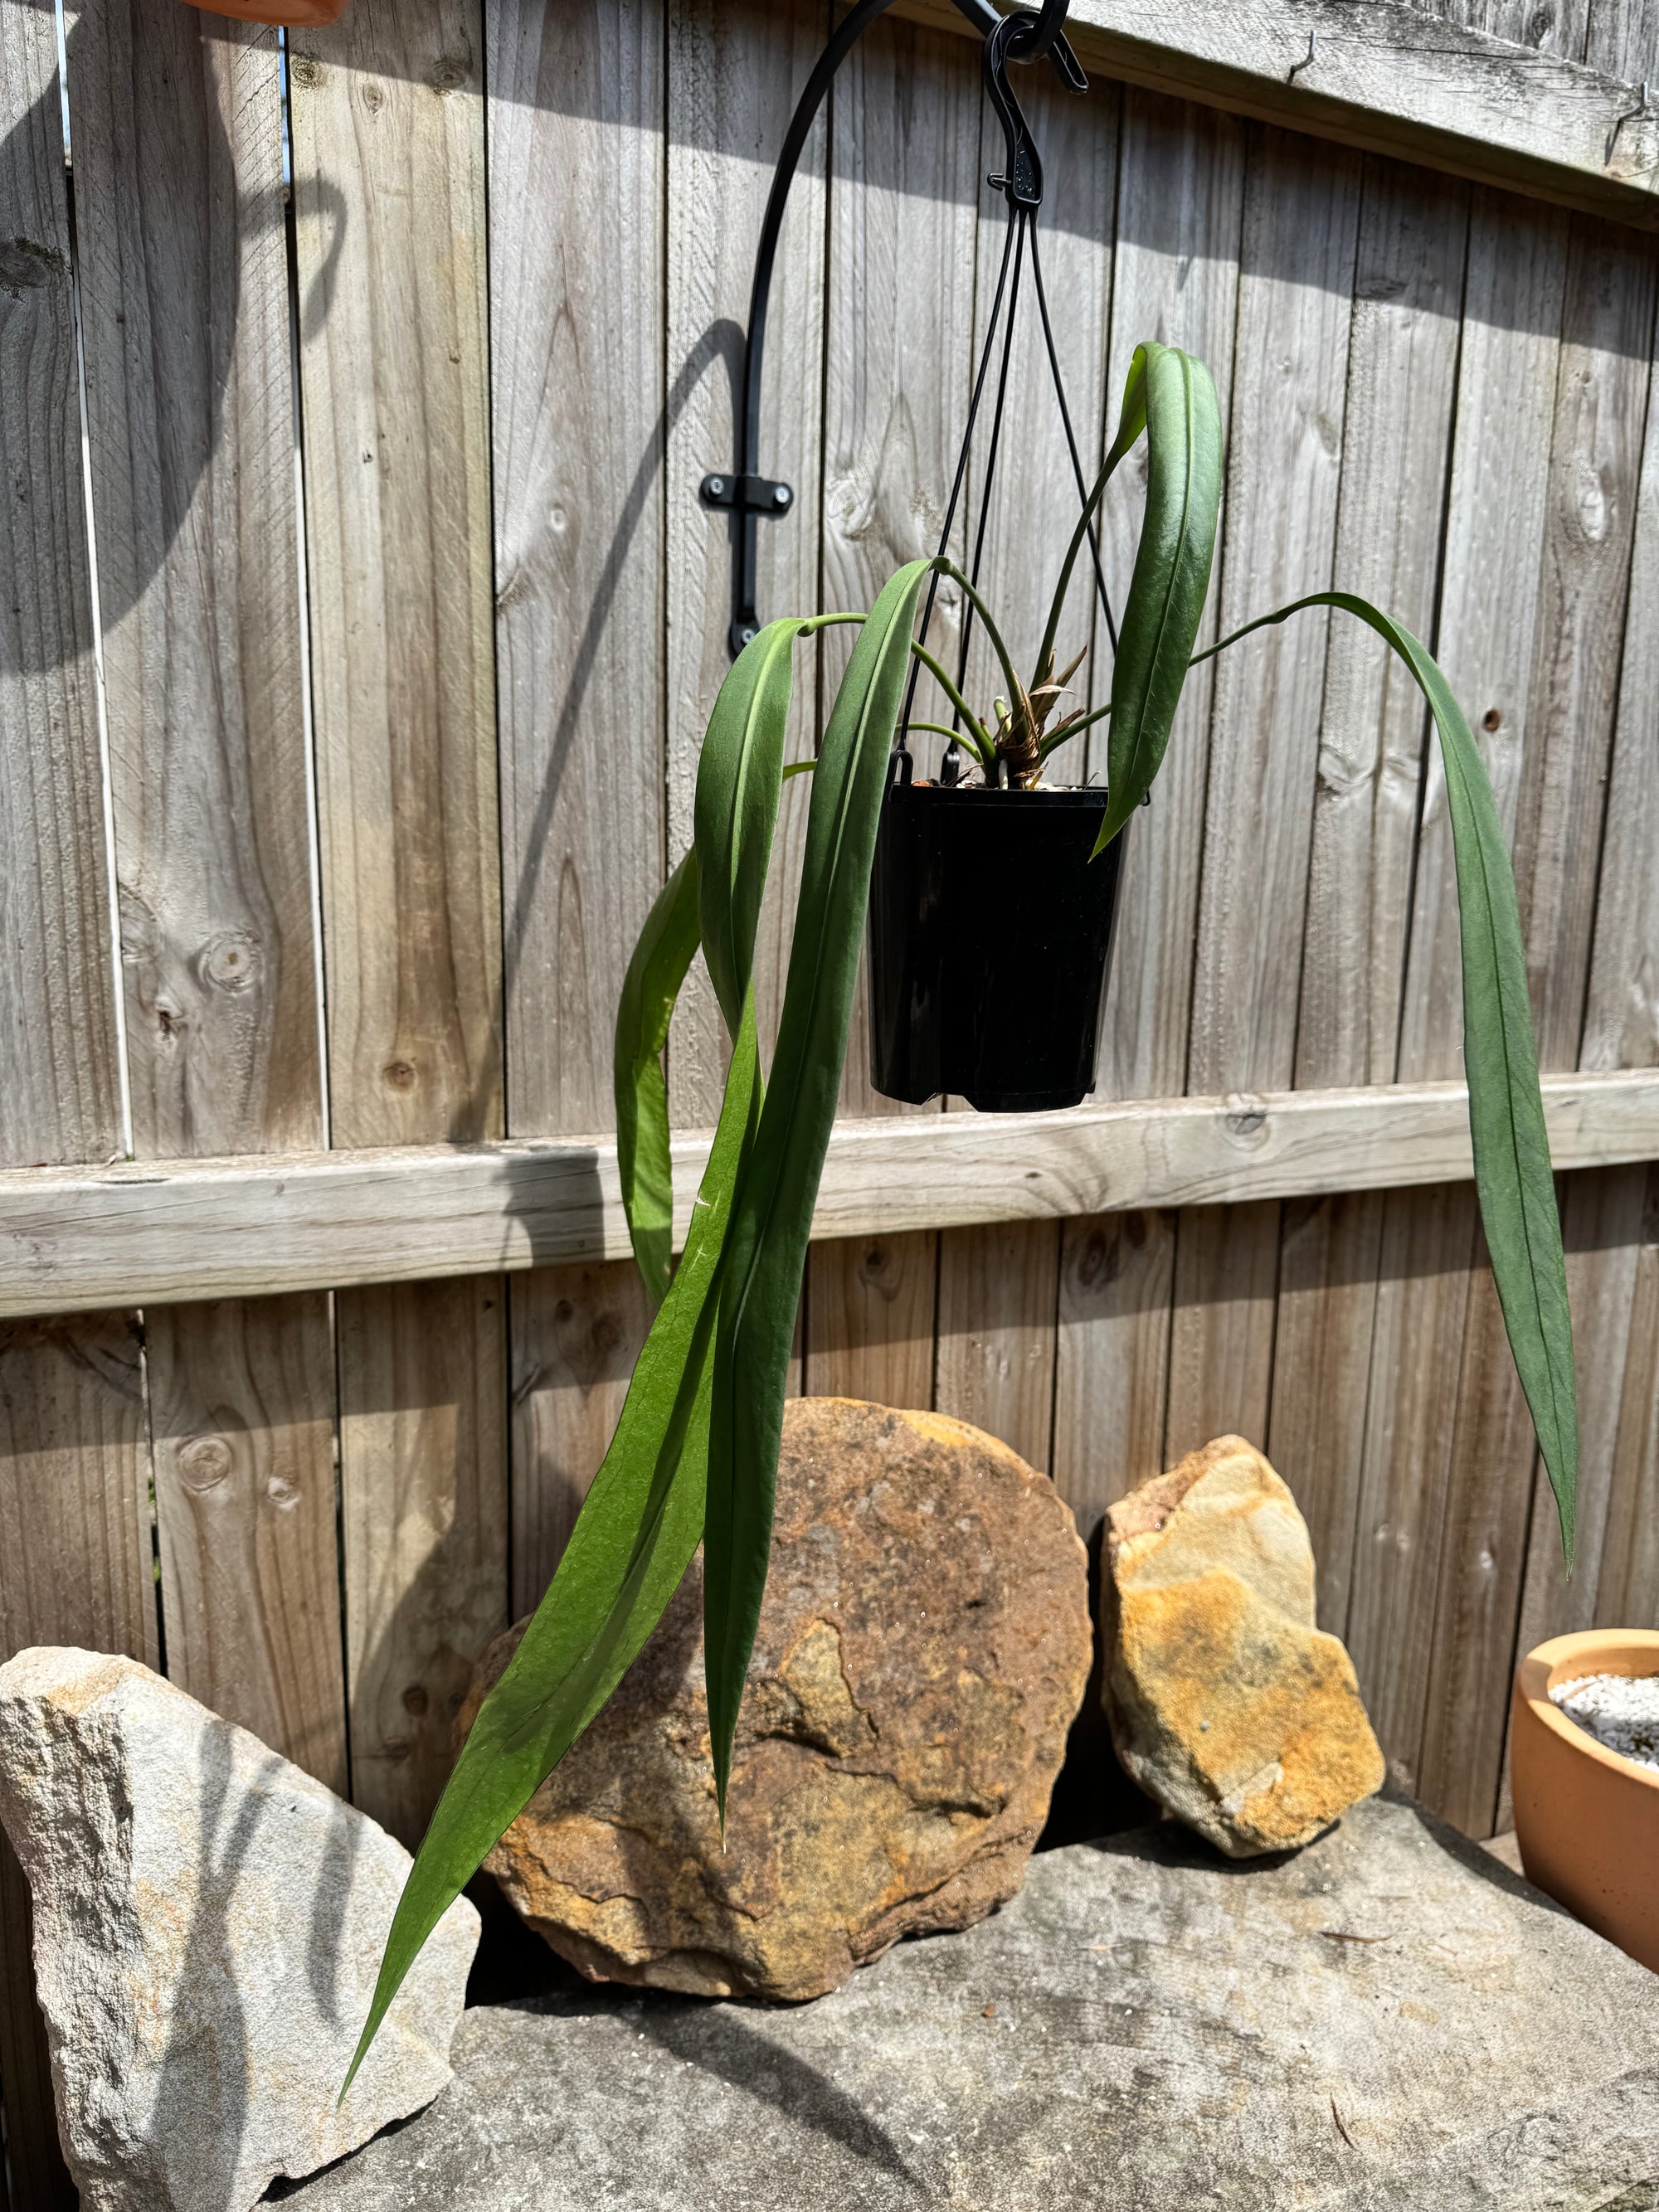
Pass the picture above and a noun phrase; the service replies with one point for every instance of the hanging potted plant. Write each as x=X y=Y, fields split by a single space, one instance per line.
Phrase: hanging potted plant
x=938 y=869
x=695 y=1454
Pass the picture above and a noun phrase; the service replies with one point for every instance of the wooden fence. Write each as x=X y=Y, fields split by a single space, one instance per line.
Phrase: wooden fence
x=361 y=623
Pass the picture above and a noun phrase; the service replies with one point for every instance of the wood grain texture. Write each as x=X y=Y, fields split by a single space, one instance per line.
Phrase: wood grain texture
x=1489 y=601
x=1384 y=79
x=576 y=281
x=575 y=1334
x=244 y=1454
x=733 y=76
x=900 y=335
x=1621 y=1015
x=389 y=202
x=1111 y=1377
x=1627 y=1592
x=871 y=1304
x=1601 y=406
x=1402 y=366
x=57 y=1011
x=185 y=315
x=1296 y=284
x=1221 y=1330
x=424 y=1518
x=997 y=1303
x=175 y=1232
x=1603 y=1228
x=1427 y=1247
x=73 y=1460
x=389 y=189
x=1180 y=214
x=190 y=407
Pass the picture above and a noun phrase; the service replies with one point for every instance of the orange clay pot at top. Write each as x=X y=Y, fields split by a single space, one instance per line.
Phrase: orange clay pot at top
x=298 y=15
x=1586 y=1819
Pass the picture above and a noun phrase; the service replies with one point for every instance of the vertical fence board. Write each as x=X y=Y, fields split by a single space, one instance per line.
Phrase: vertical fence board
x=576 y=328
x=242 y=1404
x=423 y=1458
x=576 y=1333
x=997 y=1294
x=1627 y=1594
x=870 y=1319
x=1180 y=210
x=580 y=416
x=1403 y=364
x=388 y=131
x=178 y=130
x=1296 y=284
x=73 y=1458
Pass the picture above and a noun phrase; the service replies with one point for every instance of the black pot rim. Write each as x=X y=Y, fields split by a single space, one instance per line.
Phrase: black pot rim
x=1083 y=798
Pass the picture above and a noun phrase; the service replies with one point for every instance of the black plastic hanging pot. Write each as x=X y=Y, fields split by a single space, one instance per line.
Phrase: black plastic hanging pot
x=990 y=943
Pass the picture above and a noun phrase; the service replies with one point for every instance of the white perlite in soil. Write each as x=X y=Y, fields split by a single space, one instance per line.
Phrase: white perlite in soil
x=1620 y=1711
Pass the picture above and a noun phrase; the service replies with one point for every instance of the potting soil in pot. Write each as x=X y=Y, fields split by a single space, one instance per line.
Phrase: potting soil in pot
x=1619 y=1710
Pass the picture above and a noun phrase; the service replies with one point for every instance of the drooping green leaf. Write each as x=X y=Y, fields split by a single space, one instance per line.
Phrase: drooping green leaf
x=739 y=781
x=1172 y=581
x=633 y=1542
x=773 y=1214
x=1513 y=1175
x=642 y=1518
x=667 y=945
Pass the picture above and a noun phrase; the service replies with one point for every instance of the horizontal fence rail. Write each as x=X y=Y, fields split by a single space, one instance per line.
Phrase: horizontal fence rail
x=1391 y=80
x=77 y=1239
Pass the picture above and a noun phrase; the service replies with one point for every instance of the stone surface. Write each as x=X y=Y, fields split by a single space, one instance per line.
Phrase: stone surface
x=1228 y=1705
x=208 y=1926
x=1147 y=2027
x=923 y=1646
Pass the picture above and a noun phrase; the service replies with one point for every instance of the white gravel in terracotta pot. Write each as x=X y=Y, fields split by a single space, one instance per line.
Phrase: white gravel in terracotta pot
x=1619 y=1710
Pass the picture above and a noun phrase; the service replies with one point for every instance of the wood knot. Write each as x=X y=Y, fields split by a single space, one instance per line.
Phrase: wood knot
x=204 y=1462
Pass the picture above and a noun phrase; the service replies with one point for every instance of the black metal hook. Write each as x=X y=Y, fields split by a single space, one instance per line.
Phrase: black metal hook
x=1033 y=33
x=1026 y=35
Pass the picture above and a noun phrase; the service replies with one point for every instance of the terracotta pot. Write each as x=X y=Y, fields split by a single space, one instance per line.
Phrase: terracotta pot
x=1586 y=1819
x=298 y=15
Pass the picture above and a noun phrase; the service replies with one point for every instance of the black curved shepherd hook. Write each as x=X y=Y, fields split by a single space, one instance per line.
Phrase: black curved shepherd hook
x=1027 y=35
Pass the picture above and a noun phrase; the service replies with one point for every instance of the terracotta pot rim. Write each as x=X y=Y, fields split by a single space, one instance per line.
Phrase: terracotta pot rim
x=1560 y=1660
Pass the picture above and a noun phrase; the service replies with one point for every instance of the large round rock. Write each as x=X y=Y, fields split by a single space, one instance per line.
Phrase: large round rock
x=923 y=1648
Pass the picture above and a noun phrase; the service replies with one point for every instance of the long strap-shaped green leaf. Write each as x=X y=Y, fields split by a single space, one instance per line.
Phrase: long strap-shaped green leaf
x=1513 y=1175
x=662 y=957
x=772 y=1215
x=1172 y=578
x=633 y=1542
x=642 y=1519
